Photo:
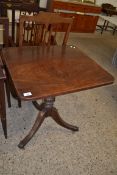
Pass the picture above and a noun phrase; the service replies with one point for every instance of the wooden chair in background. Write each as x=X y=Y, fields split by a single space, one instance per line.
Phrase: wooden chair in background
x=4 y=23
x=42 y=29
x=2 y=100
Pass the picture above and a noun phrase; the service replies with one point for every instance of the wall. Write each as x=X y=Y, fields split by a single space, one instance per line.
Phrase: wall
x=43 y=3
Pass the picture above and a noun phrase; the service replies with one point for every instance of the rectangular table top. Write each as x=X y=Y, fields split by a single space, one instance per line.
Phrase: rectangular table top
x=38 y=72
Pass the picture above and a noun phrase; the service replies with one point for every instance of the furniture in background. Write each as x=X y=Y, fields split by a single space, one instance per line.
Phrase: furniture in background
x=25 y=6
x=85 y=15
x=108 y=10
x=14 y=6
x=42 y=29
x=5 y=26
x=2 y=100
x=44 y=72
x=7 y=42
x=4 y=22
x=109 y=19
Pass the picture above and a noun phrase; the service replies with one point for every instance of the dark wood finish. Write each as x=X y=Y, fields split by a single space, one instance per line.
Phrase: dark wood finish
x=75 y=6
x=2 y=101
x=6 y=40
x=5 y=23
x=110 y=12
x=18 y=6
x=109 y=9
x=46 y=72
x=22 y=6
x=52 y=67
x=49 y=5
x=85 y=22
x=82 y=23
x=46 y=110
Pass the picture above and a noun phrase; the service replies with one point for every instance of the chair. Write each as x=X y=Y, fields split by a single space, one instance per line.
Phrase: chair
x=42 y=29
x=2 y=101
x=7 y=41
x=4 y=23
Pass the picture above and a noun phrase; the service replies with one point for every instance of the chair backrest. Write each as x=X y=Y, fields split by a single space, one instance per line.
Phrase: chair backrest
x=4 y=22
x=42 y=28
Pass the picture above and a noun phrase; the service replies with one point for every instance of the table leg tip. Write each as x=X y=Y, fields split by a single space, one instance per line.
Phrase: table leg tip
x=76 y=128
x=21 y=146
x=5 y=137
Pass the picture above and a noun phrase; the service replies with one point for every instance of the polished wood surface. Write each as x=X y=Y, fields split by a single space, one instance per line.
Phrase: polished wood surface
x=85 y=16
x=52 y=71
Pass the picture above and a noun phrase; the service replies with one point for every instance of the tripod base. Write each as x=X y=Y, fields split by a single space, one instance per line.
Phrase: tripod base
x=46 y=109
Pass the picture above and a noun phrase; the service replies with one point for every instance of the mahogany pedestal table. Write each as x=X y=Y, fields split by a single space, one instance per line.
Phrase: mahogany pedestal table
x=42 y=72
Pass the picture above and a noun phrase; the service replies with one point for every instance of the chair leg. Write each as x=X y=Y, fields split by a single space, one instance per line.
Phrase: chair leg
x=3 y=108
x=8 y=93
x=19 y=103
x=4 y=126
